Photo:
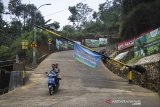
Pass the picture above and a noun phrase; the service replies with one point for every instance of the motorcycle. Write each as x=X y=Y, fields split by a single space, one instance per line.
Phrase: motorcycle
x=53 y=82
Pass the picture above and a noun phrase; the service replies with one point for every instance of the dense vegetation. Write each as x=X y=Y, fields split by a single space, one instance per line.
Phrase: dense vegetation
x=139 y=16
x=122 y=19
x=19 y=28
x=87 y=23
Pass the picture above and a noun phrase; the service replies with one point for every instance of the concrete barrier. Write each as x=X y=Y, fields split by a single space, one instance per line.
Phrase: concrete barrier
x=17 y=79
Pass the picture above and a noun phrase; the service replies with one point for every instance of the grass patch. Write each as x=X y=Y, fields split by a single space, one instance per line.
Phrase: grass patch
x=133 y=60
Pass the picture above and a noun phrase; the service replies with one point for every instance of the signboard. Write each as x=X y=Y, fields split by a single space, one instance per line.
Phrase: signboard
x=58 y=44
x=50 y=41
x=102 y=41
x=128 y=43
x=92 y=43
x=147 y=44
x=125 y=44
x=61 y=45
x=86 y=56
x=24 y=44
x=33 y=45
x=78 y=42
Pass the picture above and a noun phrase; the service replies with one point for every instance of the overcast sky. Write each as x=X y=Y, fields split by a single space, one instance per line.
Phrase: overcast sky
x=58 y=11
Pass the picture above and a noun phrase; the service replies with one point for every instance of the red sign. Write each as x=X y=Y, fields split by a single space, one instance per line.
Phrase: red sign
x=125 y=44
x=129 y=43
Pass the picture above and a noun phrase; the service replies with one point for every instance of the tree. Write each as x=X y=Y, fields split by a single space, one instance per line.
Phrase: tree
x=95 y=15
x=14 y=7
x=69 y=28
x=25 y=13
x=94 y=28
x=15 y=28
x=33 y=15
x=110 y=14
x=53 y=26
x=142 y=17
x=2 y=25
x=129 y=5
x=73 y=17
x=80 y=14
x=1 y=7
x=28 y=14
x=56 y=25
x=1 y=11
x=68 y=31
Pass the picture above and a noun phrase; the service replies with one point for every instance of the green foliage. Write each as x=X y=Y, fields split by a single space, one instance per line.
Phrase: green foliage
x=1 y=7
x=15 y=28
x=31 y=14
x=133 y=60
x=105 y=21
x=5 y=52
x=29 y=56
x=129 y=5
x=26 y=14
x=54 y=26
x=20 y=28
x=95 y=15
x=74 y=12
x=1 y=11
x=68 y=31
x=42 y=37
x=14 y=47
x=110 y=14
x=14 y=7
x=94 y=27
x=80 y=14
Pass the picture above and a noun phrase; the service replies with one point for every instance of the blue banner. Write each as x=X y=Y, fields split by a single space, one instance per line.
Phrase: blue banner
x=86 y=56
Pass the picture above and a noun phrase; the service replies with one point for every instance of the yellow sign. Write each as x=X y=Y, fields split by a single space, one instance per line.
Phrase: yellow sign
x=50 y=41
x=33 y=45
x=25 y=44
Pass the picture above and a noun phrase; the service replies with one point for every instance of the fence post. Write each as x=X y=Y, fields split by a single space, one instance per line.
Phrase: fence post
x=130 y=76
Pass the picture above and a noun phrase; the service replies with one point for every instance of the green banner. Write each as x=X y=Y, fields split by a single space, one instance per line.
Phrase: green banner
x=147 y=44
x=102 y=41
x=92 y=43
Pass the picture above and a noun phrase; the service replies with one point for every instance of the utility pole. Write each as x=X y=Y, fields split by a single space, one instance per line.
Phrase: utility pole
x=34 y=36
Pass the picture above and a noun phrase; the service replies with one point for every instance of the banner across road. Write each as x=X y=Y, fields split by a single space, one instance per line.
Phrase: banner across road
x=86 y=56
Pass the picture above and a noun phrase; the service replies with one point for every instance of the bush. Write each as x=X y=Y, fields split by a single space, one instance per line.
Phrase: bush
x=5 y=52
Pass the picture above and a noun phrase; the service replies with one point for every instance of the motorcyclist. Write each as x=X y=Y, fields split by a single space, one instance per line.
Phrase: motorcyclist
x=58 y=70
x=56 y=67
x=54 y=70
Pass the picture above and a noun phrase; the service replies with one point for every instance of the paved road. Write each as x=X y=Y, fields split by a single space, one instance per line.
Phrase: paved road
x=81 y=86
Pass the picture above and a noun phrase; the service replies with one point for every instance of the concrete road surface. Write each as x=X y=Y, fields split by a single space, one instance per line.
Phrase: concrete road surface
x=80 y=86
